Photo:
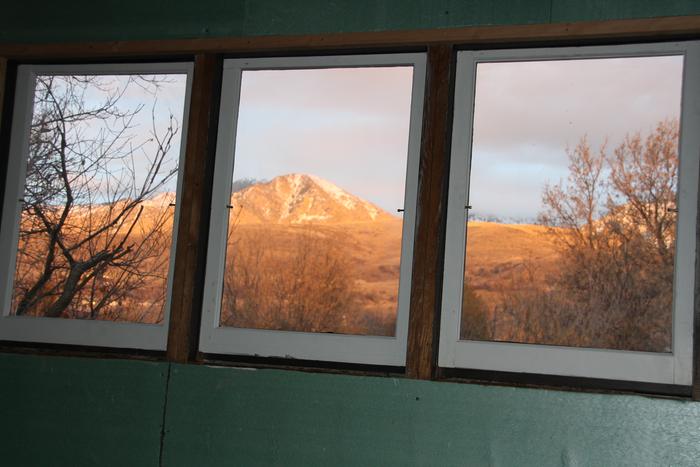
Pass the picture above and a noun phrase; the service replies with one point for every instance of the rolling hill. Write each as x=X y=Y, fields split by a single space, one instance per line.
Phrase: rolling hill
x=278 y=228
x=288 y=207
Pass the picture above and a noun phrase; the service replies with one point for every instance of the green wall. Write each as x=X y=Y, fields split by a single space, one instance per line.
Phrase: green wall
x=62 y=411
x=41 y=21
x=69 y=411
x=72 y=411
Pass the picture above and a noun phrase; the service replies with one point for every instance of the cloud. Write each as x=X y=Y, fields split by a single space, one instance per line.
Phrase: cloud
x=370 y=90
x=555 y=102
x=349 y=126
x=527 y=113
x=154 y=111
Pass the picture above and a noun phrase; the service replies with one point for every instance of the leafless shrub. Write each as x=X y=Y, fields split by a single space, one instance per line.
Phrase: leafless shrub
x=303 y=285
x=85 y=248
x=614 y=224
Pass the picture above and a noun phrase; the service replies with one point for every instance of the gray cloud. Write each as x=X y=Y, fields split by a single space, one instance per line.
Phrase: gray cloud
x=349 y=126
x=527 y=113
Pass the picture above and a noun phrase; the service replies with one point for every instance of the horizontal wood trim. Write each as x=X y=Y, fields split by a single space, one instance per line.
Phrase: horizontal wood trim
x=292 y=364
x=562 y=383
x=81 y=351
x=639 y=29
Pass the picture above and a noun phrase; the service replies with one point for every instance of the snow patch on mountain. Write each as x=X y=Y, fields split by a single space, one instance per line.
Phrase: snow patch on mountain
x=301 y=199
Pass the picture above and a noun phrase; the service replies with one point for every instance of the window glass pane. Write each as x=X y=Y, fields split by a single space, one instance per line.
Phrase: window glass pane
x=573 y=180
x=314 y=236
x=97 y=210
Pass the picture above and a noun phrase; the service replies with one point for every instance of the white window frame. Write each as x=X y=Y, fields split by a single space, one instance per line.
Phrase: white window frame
x=98 y=333
x=667 y=368
x=218 y=339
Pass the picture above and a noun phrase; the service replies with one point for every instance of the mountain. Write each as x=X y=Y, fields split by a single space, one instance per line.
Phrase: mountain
x=160 y=200
x=301 y=199
x=475 y=216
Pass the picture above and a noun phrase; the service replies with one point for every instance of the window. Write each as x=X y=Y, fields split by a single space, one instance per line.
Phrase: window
x=90 y=205
x=310 y=246
x=572 y=209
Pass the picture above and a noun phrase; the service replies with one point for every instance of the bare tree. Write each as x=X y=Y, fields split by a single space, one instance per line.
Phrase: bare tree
x=615 y=223
x=576 y=205
x=87 y=248
x=294 y=280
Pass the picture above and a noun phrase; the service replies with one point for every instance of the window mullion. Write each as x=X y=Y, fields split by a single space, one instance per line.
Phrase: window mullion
x=426 y=285
x=3 y=77
x=188 y=277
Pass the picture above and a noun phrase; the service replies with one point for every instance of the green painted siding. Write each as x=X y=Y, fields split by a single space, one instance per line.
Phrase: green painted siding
x=73 y=412
x=42 y=21
x=79 y=412
x=564 y=11
x=222 y=416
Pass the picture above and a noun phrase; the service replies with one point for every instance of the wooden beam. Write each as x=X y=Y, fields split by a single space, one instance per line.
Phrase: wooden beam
x=195 y=199
x=3 y=77
x=426 y=286
x=638 y=29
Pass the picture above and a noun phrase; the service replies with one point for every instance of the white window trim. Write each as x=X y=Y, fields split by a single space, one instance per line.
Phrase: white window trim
x=304 y=345
x=671 y=368
x=96 y=333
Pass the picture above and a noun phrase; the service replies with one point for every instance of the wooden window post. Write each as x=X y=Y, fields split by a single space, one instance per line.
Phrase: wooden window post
x=426 y=286
x=188 y=277
x=3 y=75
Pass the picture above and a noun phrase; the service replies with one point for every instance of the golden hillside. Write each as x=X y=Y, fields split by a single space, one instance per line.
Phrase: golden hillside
x=500 y=253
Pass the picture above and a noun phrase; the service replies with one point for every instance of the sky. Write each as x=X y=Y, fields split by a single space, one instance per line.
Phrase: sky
x=347 y=125
x=527 y=113
x=156 y=105
x=351 y=125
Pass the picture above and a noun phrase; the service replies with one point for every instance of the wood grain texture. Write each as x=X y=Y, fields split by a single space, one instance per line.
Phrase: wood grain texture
x=648 y=28
x=190 y=256
x=426 y=286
